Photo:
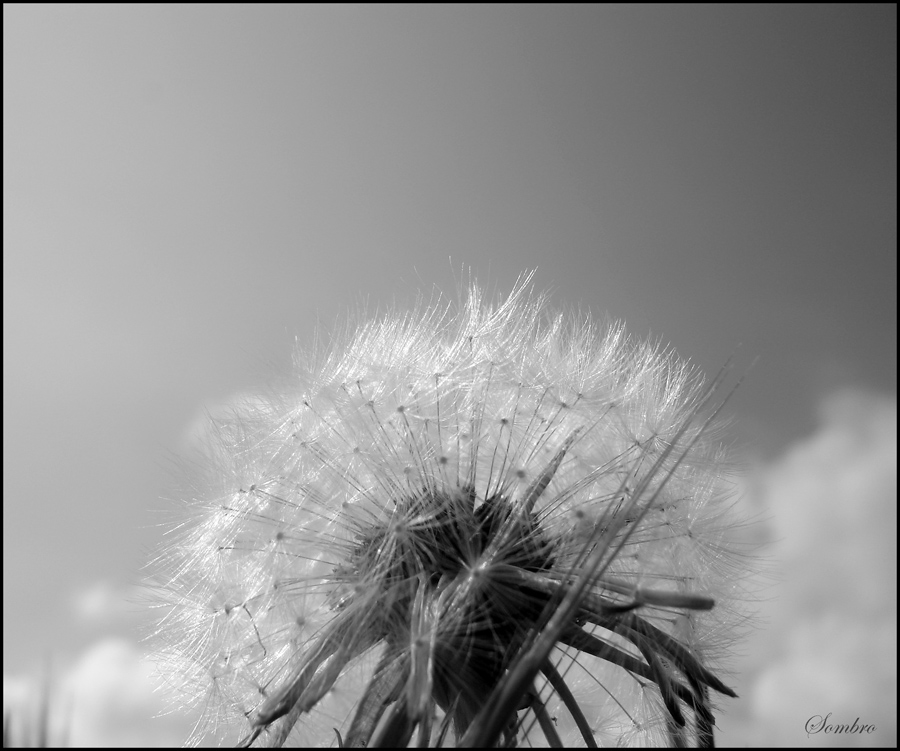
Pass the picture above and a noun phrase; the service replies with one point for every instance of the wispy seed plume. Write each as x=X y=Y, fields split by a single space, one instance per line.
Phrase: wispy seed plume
x=477 y=525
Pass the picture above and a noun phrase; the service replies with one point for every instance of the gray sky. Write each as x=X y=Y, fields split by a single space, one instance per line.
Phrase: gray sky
x=189 y=188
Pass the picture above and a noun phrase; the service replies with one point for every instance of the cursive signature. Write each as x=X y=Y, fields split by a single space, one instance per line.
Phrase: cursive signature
x=819 y=724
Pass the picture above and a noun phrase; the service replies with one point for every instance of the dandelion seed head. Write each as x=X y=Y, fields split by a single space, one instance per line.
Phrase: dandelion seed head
x=385 y=544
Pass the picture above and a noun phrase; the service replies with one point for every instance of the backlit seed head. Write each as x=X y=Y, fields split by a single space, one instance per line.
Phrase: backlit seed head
x=482 y=526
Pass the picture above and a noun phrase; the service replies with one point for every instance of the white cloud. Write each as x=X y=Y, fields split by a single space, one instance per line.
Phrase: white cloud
x=117 y=701
x=106 y=602
x=111 y=697
x=828 y=644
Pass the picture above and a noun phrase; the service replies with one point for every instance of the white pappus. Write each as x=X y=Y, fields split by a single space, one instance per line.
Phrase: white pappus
x=480 y=525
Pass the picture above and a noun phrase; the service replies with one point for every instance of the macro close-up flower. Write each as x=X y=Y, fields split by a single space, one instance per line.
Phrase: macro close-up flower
x=475 y=524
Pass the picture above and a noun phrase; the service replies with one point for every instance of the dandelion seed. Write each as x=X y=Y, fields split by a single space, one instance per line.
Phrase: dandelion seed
x=484 y=526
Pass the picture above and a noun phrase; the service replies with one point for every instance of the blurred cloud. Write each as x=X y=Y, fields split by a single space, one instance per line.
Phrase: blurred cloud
x=111 y=697
x=118 y=701
x=110 y=694
x=107 y=603
x=827 y=647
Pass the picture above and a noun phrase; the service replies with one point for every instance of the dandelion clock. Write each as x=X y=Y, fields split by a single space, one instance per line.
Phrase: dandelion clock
x=479 y=524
